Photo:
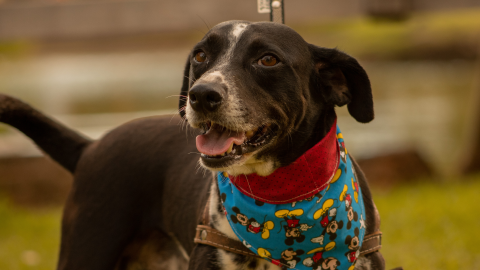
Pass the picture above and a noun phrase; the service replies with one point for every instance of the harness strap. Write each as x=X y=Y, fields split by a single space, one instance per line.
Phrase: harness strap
x=371 y=243
x=207 y=235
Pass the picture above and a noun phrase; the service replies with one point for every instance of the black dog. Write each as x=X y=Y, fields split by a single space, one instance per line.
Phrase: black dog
x=262 y=95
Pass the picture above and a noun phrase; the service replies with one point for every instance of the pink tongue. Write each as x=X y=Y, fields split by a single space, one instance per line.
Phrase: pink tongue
x=217 y=141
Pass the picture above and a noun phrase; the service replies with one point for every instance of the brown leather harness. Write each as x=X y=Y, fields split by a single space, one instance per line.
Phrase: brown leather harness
x=208 y=235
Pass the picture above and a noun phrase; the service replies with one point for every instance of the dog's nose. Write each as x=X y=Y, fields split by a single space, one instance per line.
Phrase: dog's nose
x=205 y=97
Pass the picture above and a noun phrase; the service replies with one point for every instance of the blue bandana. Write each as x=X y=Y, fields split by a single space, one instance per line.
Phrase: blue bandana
x=324 y=231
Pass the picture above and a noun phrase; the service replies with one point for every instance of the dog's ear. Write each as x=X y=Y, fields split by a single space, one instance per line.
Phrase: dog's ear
x=342 y=80
x=182 y=102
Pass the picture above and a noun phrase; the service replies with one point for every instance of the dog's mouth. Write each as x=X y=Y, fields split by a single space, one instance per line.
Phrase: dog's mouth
x=219 y=145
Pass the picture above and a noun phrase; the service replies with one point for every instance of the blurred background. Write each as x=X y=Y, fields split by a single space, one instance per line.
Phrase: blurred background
x=94 y=65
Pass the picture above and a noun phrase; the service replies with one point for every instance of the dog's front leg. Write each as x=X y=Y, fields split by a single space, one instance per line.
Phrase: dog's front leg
x=204 y=257
x=371 y=261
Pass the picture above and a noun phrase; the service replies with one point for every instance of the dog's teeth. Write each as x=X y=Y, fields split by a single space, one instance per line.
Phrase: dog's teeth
x=230 y=149
x=249 y=134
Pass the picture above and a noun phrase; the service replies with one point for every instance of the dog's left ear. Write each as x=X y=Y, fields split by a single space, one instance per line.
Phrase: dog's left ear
x=342 y=81
x=182 y=102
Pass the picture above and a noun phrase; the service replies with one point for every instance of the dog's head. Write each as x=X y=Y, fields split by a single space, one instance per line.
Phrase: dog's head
x=263 y=96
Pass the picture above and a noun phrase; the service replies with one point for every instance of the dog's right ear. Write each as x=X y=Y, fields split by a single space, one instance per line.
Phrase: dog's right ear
x=182 y=102
x=342 y=81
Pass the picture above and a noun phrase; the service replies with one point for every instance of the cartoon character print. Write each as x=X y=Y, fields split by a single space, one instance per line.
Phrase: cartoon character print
x=289 y=257
x=327 y=216
x=343 y=151
x=330 y=226
x=293 y=229
x=362 y=222
x=355 y=189
x=351 y=214
x=223 y=197
x=251 y=224
x=259 y=203
x=353 y=243
x=337 y=175
x=309 y=199
x=318 y=262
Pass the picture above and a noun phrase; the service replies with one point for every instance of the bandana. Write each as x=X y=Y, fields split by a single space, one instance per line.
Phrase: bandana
x=308 y=215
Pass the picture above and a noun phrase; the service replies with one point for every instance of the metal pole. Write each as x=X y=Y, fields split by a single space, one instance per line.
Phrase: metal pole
x=277 y=6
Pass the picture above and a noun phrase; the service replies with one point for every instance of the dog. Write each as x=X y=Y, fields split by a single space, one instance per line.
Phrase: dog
x=139 y=192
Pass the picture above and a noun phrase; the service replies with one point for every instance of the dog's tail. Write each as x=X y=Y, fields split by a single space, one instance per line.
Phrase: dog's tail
x=61 y=143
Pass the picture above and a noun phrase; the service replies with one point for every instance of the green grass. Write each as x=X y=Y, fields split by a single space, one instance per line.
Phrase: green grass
x=432 y=226
x=28 y=238
x=426 y=226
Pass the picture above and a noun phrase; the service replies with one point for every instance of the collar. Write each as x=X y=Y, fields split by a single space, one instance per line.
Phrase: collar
x=308 y=175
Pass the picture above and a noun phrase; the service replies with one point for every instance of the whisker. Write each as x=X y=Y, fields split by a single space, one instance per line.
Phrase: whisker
x=191 y=80
x=208 y=27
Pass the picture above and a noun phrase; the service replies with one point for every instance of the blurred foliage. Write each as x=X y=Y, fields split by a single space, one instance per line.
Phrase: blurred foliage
x=29 y=239
x=435 y=35
x=444 y=35
x=15 y=49
x=426 y=226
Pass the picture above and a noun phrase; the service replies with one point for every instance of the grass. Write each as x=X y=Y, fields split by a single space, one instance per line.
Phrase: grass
x=29 y=239
x=426 y=226
x=432 y=225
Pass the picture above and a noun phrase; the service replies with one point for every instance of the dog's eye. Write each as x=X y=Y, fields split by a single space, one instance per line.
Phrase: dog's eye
x=200 y=57
x=268 y=60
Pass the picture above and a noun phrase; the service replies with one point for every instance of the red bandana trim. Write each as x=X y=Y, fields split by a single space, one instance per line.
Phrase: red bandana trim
x=308 y=175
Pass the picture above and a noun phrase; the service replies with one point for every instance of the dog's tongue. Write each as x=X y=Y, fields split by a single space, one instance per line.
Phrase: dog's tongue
x=217 y=140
